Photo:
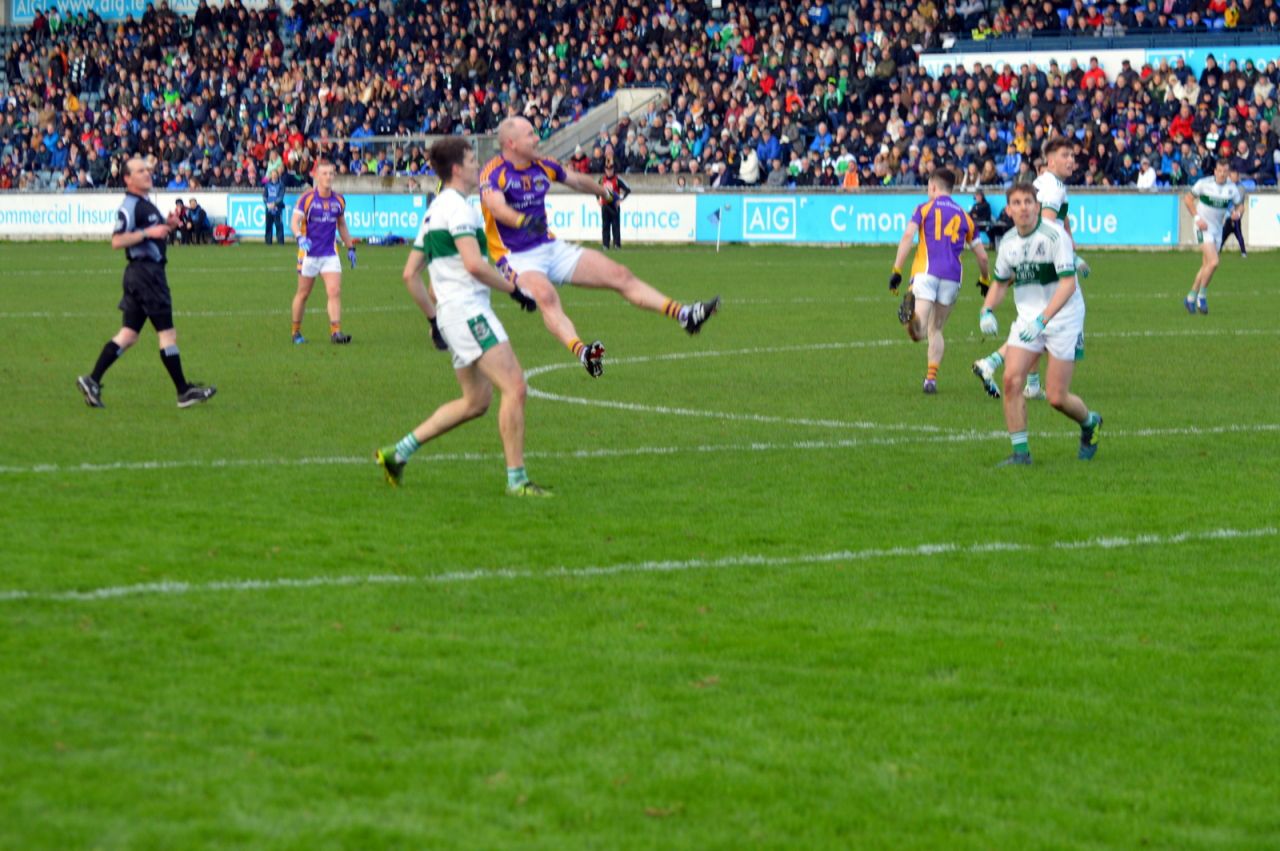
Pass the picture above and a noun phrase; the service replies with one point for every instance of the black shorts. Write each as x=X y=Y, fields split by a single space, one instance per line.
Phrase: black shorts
x=146 y=296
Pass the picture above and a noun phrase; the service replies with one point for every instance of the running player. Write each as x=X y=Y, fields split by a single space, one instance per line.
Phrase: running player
x=1051 y=193
x=142 y=230
x=945 y=231
x=1038 y=260
x=318 y=220
x=513 y=191
x=1210 y=200
x=455 y=241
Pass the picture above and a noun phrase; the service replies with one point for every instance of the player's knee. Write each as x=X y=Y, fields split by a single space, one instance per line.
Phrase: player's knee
x=1057 y=397
x=517 y=391
x=1013 y=383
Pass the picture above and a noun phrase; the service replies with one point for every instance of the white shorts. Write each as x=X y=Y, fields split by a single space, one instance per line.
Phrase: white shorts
x=935 y=289
x=310 y=266
x=555 y=259
x=1211 y=236
x=470 y=333
x=1063 y=336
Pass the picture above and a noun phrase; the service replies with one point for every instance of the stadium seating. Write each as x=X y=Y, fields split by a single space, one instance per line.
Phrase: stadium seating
x=817 y=93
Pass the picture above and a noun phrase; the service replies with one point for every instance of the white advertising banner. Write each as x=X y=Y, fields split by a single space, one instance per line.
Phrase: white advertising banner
x=76 y=215
x=645 y=218
x=1263 y=221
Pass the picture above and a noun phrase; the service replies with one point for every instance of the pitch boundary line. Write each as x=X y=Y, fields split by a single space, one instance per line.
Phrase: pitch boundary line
x=624 y=452
x=177 y=588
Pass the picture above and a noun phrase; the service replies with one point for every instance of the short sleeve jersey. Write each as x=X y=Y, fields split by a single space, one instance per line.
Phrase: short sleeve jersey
x=945 y=231
x=450 y=217
x=1052 y=195
x=1034 y=264
x=136 y=214
x=320 y=221
x=1214 y=200
x=525 y=190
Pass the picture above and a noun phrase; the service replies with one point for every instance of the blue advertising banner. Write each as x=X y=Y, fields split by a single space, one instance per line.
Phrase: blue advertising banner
x=867 y=219
x=367 y=215
x=24 y=11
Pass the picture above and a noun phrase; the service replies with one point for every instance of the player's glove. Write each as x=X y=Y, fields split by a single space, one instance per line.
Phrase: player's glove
x=522 y=298
x=984 y=286
x=1035 y=329
x=1082 y=268
x=304 y=245
x=351 y=256
x=987 y=323
x=532 y=225
x=895 y=280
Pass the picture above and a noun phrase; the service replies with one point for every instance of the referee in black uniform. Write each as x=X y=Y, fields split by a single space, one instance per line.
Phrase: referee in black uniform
x=141 y=230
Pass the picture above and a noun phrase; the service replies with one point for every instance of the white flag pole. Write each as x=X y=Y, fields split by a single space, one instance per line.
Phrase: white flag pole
x=719 y=223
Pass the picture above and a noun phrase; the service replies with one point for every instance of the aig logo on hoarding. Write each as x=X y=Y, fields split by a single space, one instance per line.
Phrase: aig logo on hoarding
x=769 y=218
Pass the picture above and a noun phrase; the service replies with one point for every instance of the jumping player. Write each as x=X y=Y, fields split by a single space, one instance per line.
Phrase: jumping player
x=513 y=191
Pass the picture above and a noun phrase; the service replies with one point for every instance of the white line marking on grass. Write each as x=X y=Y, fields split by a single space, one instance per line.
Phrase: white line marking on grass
x=622 y=452
x=772 y=419
x=177 y=589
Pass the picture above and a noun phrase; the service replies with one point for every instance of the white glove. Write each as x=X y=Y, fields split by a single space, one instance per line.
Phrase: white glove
x=987 y=323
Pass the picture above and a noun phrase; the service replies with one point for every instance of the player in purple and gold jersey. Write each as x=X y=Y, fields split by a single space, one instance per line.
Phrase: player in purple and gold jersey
x=945 y=230
x=513 y=191
x=318 y=219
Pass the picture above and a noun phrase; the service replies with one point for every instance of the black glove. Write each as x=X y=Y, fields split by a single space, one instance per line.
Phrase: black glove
x=522 y=298
x=533 y=225
x=894 y=281
x=983 y=287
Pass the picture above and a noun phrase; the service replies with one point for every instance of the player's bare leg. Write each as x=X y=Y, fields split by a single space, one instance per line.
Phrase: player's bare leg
x=1057 y=379
x=300 y=305
x=590 y=355
x=333 y=289
x=500 y=367
x=594 y=270
x=1016 y=366
x=933 y=320
x=1197 y=299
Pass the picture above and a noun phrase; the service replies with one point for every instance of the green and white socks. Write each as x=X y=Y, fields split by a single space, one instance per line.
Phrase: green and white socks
x=1019 y=441
x=406 y=447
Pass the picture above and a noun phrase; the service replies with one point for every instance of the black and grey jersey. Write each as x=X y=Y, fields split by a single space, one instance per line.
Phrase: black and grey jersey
x=137 y=214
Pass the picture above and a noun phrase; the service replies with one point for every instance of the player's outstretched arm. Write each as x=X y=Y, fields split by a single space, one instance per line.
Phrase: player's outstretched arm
x=582 y=183
x=496 y=204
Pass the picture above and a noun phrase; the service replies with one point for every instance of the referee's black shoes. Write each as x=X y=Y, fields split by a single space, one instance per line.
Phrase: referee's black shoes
x=195 y=394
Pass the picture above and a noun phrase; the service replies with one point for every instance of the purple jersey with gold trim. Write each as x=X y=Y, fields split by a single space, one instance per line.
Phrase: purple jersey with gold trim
x=945 y=231
x=525 y=189
x=320 y=221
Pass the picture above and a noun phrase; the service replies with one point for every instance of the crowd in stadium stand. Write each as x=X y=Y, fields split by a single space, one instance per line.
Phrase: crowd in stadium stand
x=802 y=96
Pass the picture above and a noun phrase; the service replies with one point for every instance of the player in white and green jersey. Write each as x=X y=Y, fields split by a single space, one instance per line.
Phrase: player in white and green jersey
x=1210 y=200
x=453 y=238
x=1051 y=193
x=1038 y=260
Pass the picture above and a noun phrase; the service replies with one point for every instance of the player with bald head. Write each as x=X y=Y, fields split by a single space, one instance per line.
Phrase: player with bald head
x=513 y=192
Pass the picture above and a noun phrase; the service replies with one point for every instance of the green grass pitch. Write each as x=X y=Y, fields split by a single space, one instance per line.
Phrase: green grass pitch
x=781 y=598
